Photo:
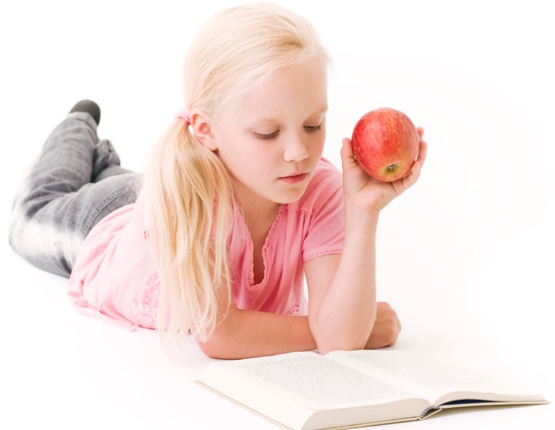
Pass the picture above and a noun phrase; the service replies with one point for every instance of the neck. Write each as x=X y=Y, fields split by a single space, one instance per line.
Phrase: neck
x=254 y=207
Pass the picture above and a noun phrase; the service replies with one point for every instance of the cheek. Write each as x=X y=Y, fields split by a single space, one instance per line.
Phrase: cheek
x=246 y=157
x=317 y=146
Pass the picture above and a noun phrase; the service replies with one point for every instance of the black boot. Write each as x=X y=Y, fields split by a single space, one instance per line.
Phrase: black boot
x=87 y=106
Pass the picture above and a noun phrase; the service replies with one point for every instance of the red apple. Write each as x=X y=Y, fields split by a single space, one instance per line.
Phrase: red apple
x=385 y=143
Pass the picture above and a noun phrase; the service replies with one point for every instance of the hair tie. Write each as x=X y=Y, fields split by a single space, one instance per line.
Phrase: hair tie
x=184 y=114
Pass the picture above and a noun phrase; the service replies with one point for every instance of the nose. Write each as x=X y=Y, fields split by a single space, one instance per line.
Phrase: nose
x=296 y=149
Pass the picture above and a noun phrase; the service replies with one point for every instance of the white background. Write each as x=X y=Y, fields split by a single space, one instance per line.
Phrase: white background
x=466 y=257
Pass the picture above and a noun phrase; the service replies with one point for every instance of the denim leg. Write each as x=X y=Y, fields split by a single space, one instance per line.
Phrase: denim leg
x=75 y=182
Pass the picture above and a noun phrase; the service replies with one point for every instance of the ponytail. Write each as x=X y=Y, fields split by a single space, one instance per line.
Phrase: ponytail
x=188 y=210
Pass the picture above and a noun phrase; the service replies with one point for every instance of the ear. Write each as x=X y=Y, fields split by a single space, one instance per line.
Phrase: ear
x=202 y=130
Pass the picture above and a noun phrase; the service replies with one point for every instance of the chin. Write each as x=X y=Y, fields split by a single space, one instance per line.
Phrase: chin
x=291 y=197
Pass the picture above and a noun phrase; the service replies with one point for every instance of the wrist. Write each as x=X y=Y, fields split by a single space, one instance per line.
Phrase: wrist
x=361 y=216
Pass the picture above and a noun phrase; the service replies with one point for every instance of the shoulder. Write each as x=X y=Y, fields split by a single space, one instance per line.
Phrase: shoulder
x=326 y=172
x=325 y=186
x=318 y=216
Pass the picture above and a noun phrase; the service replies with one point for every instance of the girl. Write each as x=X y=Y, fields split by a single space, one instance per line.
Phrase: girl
x=236 y=206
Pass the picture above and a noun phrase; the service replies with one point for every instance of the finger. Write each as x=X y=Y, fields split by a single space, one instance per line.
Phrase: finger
x=347 y=148
x=347 y=156
x=414 y=174
x=409 y=179
x=422 y=152
x=420 y=131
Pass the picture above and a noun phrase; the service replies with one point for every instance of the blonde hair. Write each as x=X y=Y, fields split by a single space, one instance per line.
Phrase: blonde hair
x=189 y=197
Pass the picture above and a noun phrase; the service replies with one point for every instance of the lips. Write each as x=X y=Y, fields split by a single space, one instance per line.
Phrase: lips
x=294 y=178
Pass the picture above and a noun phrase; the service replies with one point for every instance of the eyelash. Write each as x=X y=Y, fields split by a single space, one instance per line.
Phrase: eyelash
x=267 y=136
x=308 y=128
x=313 y=128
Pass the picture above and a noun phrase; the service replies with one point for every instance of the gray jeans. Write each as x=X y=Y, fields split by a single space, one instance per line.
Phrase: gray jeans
x=75 y=182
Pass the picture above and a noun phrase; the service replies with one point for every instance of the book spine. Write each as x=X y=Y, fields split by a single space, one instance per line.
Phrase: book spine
x=428 y=410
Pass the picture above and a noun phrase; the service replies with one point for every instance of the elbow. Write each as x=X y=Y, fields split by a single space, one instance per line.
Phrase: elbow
x=222 y=346
x=216 y=349
x=208 y=349
x=347 y=340
x=226 y=341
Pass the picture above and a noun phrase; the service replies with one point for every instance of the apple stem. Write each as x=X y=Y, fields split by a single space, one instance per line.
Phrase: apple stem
x=391 y=167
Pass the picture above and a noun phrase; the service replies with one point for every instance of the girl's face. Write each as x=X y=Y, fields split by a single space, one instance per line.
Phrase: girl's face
x=272 y=137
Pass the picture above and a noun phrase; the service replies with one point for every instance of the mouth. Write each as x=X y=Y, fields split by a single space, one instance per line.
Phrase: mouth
x=294 y=178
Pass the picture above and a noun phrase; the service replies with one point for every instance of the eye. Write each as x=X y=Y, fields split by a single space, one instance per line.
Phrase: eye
x=313 y=128
x=266 y=136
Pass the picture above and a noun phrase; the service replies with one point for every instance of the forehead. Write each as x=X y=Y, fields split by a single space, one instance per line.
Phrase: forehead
x=298 y=88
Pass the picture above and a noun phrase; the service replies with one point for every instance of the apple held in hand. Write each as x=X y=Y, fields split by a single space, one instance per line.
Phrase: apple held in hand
x=385 y=143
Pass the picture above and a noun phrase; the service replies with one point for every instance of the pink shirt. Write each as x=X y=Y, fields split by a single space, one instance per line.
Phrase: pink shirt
x=114 y=277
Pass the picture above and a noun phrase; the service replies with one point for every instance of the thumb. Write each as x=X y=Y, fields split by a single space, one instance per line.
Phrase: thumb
x=347 y=156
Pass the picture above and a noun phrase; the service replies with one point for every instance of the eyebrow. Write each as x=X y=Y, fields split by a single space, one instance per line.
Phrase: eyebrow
x=270 y=120
x=322 y=111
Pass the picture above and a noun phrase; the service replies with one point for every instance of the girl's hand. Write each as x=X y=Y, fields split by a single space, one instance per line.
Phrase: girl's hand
x=368 y=193
x=386 y=327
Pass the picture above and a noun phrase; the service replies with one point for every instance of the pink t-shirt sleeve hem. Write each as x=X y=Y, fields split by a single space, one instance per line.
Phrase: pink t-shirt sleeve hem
x=321 y=252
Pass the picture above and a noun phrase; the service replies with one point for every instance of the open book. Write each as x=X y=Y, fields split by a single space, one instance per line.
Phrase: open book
x=306 y=390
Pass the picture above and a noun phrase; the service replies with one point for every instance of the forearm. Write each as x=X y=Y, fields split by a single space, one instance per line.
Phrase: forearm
x=346 y=313
x=343 y=312
x=244 y=334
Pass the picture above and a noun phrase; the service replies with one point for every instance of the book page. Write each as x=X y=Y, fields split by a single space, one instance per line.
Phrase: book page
x=423 y=374
x=305 y=390
x=320 y=381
